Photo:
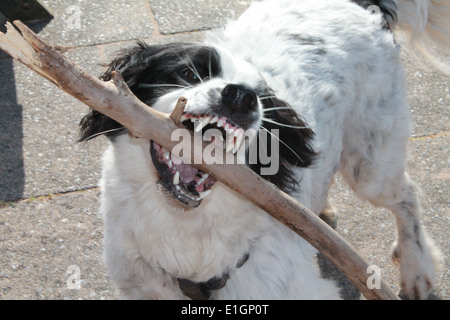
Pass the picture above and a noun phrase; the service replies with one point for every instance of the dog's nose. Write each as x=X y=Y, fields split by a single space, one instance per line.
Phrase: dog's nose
x=239 y=98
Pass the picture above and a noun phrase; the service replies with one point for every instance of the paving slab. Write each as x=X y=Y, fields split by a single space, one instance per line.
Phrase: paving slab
x=50 y=245
x=81 y=23
x=52 y=159
x=182 y=16
x=428 y=93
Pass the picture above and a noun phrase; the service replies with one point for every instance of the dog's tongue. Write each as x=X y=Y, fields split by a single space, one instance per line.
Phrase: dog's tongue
x=187 y=172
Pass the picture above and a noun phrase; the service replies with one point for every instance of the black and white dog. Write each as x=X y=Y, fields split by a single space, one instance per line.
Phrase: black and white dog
x=327 y=76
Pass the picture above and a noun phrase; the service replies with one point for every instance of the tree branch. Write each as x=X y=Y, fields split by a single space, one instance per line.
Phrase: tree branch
x=115 y=100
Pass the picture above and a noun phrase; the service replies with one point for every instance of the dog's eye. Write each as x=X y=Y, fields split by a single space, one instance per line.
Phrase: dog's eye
x=190 y=76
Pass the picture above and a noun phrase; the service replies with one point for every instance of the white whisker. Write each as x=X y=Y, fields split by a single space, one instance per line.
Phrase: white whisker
x=282 y=124
x=274 y=136
x=152 y=85
x=279 y=108
x=267 y=97
x=103 y=132
x=188 y=61
x=187 y=84
x=194 y=69
x=209 y=66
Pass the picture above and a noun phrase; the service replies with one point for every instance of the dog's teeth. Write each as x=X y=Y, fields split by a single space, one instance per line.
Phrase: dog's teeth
x=166 y=155
x=220 y=123
x=204 y=177
x=199 y=126
x=230 y=144
x=239 y=138
x=214 y=120
x=183 y=118
x=205 y=121
x=203 y=195
x=230 y=130
x=178 y=188
x=170 y=164
x=176 y=178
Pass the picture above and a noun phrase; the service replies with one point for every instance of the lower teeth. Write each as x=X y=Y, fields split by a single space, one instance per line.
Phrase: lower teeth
x=176 y=179
x=203 y=195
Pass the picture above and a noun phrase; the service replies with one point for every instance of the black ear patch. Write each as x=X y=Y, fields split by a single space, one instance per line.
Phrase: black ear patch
x=295 y=135
x=294 y=139
x=96 y=123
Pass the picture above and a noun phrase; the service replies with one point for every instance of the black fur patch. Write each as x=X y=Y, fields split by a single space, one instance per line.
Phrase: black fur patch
x=294 y=142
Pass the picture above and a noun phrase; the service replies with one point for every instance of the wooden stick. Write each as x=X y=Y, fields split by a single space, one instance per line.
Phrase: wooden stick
x=178 y=110
x=115 y=100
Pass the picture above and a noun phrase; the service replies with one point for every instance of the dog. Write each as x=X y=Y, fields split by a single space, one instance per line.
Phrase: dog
x=325 y=81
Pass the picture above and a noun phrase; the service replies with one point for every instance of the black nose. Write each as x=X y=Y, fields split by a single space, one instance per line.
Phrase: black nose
x=239 y=98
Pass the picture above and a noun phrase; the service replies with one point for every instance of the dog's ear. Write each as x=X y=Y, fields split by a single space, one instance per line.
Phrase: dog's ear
x=130 y=63
x=294 y=141
x=294 y=134
x=96 y=123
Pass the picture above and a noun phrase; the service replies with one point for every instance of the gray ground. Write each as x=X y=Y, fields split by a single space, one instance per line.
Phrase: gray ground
x=48 y=182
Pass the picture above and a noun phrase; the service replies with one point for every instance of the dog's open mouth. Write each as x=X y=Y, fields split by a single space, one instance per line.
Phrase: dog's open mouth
x=187 y=183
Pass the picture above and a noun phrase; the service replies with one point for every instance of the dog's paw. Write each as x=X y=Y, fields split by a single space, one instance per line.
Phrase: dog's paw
x=418 y=265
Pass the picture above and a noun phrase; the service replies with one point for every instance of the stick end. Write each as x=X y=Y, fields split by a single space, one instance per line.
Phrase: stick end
x=178 y=110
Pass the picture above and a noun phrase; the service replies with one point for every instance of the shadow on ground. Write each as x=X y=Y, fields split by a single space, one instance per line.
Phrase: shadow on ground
x=12 y=173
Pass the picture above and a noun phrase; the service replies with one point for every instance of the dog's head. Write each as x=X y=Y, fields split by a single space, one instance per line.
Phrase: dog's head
x=223 y=93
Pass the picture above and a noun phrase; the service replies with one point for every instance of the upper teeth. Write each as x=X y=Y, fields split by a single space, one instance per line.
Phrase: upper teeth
x=214 y=120
x=201 y=124
x=235 y=135
x=203 y=195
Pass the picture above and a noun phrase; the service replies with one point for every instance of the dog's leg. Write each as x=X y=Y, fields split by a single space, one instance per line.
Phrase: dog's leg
x=414 y=251
x=328 y=213
x=391 y=187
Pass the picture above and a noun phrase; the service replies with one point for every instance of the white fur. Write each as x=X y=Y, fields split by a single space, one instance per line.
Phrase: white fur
x=353 y=97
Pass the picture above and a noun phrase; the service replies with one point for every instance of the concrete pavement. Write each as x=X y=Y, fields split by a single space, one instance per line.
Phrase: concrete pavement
x=48 y=181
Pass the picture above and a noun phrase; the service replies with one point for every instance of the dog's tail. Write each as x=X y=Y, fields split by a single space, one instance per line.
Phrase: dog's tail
x=423 y=21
